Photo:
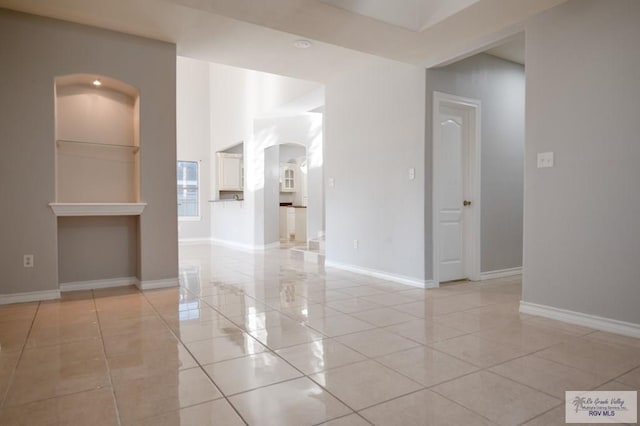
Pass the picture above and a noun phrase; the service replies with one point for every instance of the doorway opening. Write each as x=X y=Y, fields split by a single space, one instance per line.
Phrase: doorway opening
x=477 y=128
x=293 y=195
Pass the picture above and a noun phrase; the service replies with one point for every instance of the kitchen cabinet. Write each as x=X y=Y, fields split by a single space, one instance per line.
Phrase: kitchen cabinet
x=230 y=172
x=283 y=223
x=300 y=224
x=293 y=223
x=287 y=178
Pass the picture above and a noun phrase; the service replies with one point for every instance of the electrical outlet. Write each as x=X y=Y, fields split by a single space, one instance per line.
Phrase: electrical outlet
x=412 y=173
x=27 y=261
x=545 y=159
x=355 y=244
x=332 y=182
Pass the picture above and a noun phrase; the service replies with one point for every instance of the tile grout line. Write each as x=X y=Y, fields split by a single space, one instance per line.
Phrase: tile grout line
x=106 y=360
x=541 y=414
x=273 y=351
x=355 y=413
x=487 y=370
x=194 y=358
x=430 y=390
x=22 y=349
x=470 y=333
x=371 y=358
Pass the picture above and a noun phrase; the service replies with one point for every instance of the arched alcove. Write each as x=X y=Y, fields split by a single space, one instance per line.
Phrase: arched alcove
x=97 y=140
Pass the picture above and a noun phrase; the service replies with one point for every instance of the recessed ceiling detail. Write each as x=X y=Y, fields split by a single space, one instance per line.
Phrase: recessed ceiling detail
x=414 y=15
x=259 y=34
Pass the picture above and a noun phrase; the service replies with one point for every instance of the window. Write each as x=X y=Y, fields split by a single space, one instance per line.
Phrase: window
x=188 y=190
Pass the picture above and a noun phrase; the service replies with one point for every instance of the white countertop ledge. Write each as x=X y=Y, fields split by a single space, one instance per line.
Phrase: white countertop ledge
x=97 y=209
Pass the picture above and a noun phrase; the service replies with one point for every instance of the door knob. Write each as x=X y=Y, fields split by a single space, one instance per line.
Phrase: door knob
x=466 y=203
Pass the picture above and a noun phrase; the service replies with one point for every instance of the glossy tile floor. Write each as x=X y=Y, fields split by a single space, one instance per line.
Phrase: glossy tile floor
x=264 y=339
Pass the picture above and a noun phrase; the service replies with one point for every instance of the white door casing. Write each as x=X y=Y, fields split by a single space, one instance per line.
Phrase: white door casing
x=456 y=178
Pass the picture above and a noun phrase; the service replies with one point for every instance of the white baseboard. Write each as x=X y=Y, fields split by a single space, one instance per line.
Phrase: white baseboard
x=245 y=247
x=500 y=273
x=232 y=244
x=268 y=246
x=401 y=279
x=98 y=284
x=592 y=321
x=194 y=241
x=31 y=296
x=153 y=284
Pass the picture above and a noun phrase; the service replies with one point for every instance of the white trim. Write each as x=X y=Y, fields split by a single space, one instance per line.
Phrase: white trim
x=268 y=246
x=200 y=197
x=97 y=209
x=189 y=218
x=194 y=241
x=578 y=318
x=31 y=296
x=474 y=106
x=401 y=279
x=232 y=244
x=501 y=273
x=245 y=247
x=97 y=284
x=153 y=284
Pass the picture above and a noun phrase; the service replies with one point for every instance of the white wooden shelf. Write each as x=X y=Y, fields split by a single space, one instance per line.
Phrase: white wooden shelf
x=97 y=209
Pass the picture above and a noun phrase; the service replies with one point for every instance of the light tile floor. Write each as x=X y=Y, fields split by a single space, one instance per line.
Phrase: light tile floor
x=264 y=339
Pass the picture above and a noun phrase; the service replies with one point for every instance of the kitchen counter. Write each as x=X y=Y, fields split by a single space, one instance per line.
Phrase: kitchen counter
x=291 y=205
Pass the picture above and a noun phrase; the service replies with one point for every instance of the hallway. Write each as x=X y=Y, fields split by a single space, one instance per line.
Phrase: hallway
x=262 y=338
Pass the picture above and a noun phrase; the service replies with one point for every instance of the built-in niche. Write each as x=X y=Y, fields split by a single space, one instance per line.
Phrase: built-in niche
x=97 y=176
x=97 y=141
x=231 y=173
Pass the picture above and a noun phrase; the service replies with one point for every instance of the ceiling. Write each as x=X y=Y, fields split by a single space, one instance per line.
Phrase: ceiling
x=414 y=15
x=260 y=34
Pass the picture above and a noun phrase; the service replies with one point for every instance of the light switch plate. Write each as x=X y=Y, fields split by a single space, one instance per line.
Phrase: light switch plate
x=545 y=159
x=332 y=182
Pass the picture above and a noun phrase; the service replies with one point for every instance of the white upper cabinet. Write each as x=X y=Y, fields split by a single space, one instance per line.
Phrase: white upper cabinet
x=287 y=178
x=230 y=172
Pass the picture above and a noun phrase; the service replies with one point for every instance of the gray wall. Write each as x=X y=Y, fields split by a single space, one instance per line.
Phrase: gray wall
x=271 y=194
x=582 y=217
x=117 y=241
x=374 y=132
x=35 y=51
x=193 y=137
x=500 y=86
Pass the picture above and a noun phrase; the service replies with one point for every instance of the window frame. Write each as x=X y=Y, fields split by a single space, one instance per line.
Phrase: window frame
x=198 y=216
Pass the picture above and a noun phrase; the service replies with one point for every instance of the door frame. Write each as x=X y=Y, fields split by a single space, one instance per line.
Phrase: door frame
x=472 y=229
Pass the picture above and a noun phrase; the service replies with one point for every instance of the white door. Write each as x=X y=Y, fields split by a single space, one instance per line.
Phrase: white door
x=454 y=192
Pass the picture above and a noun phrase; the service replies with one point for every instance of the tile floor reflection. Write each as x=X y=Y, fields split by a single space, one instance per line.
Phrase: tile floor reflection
x=265 y=339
